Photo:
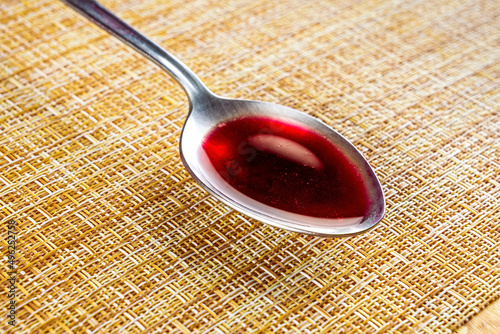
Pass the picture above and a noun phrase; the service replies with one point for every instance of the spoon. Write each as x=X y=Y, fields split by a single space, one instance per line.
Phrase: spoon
x=207 y=111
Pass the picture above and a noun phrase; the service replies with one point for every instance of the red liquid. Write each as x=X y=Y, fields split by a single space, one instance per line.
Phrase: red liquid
x=287 y=167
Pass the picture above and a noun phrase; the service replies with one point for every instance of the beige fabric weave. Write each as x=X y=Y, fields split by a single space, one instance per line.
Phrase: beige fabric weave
x=114 y=236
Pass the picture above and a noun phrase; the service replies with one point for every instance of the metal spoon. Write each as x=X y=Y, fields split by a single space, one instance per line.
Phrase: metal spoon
x=207 y=110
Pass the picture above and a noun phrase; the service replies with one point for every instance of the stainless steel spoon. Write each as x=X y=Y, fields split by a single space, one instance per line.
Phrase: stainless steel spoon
x=207 y=110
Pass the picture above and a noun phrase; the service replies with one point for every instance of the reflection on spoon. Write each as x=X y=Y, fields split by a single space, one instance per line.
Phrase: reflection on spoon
x=287 y=149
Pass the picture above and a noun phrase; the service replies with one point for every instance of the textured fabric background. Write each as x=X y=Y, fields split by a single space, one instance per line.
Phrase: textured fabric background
x=114 y=236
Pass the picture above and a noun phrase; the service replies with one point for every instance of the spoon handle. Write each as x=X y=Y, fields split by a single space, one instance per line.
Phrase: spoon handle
x=101 y=16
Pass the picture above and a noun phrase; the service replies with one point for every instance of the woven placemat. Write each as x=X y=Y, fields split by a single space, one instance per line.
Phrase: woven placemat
x=114 y=236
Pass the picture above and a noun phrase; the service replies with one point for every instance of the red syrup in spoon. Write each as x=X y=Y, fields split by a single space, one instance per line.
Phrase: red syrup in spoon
x=288 y=167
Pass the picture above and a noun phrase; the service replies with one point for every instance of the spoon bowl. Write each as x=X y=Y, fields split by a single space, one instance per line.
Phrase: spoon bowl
x=208 y=111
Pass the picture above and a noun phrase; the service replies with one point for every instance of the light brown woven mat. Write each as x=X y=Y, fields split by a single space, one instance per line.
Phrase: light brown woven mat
x=114 y=236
